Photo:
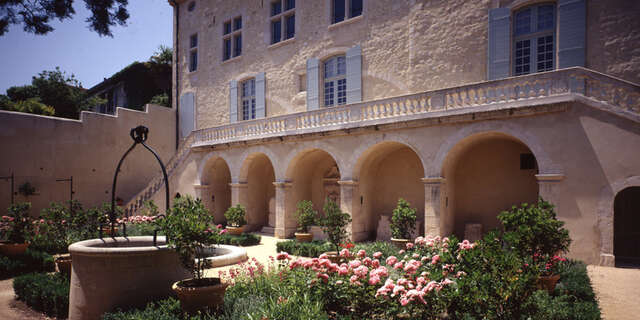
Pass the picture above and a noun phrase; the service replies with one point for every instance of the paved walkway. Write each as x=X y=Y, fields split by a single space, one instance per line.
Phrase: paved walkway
x=618 y=289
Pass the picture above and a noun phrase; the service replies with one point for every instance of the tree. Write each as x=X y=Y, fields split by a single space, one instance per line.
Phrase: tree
x=35 y=15
x=163 y=56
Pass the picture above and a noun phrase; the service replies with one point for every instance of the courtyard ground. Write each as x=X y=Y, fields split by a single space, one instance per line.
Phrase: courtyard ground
x=616 y=288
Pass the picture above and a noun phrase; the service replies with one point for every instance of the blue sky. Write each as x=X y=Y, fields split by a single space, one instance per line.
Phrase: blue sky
x=77 y=50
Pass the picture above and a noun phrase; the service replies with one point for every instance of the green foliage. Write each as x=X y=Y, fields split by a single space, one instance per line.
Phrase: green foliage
x=243 y=240
x=386 y=248
x=31 y=261
x=164 y=56
x=26 y=189
x=20 y=93
x=16 y=225
x=534 y=229
x=334 y=224
x=51 y=230
x=403 y=220
x=44 y=292
x=236 y=216
x=35 y=15
x=161 y=100
x=188 y=230
x=32 y=105
x=305 y=249
x=306 y=215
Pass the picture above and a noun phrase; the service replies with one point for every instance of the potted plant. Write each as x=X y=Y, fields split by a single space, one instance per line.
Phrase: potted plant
x=334 y=225
x=15 y=227
x=236 y=219
x=306 y=217
x=189 y=229
x=548 y=267
x=403 y=221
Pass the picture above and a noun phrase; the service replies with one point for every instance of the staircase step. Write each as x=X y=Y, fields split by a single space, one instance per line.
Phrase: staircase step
x=268 y=230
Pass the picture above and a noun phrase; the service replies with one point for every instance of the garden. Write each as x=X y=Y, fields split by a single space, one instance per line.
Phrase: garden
x=516 y=272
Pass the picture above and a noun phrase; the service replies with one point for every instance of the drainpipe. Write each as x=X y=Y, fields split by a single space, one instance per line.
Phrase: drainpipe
x=176 y=13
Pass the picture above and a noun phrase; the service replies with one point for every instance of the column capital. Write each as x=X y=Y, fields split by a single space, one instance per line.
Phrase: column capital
x=433 y=180
x=238 y=185
x=550 y=177
x=282 y=184
x=348 y=182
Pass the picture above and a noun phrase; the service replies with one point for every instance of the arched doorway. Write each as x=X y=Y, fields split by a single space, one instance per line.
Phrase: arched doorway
x=626 y=227
x=258 y=172
x=386 y=172
x=216 y=192
x=486 y=174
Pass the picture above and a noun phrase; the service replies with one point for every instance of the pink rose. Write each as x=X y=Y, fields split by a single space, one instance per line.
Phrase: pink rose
x=409 y=245
x=377 y=255
x=374 y=280
x=354 y=263
x=361 y=253
x=391 y=260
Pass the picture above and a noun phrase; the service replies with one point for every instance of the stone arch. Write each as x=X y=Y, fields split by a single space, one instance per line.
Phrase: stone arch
x=606 y=216
x=243 y=169
x=205 y=161
x=214 y=176
x=258 y=175
x=386 y=171
x=502 y=173
x=285 y=172
x=353 y=170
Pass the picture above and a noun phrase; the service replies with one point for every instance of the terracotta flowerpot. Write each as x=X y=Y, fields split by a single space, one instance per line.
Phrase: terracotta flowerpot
x=333 y=256
x=235 y=230
x=13 y=249
x=63 y=264
x=106 y=231
x=548 y=282
x=200 y=295
x=400 y=243
x=304 y=237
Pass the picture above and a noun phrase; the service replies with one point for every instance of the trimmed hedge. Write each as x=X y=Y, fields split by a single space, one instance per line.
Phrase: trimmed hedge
x=243 y=240
x=48 y=293
x=305 y=249
x=31 y=261
x=168 y=309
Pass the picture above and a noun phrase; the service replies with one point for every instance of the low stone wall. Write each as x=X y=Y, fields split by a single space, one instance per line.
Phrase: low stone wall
x=40 y=149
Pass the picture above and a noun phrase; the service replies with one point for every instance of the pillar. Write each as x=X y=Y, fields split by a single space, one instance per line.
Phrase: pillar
x=239 y=195
x=285 y=220
x=433 y=204
x=203 y=192
x=350 y=203
x=549 y=188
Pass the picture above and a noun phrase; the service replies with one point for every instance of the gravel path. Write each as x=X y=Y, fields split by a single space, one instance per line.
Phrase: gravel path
x=618 y=289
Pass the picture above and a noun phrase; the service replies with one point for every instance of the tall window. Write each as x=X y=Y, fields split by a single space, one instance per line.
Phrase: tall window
x=193 y=53
x=283 y=20
x=248 y=98
x=534 y=39
x=345 y=9
x=232 y=38
x=335 y=81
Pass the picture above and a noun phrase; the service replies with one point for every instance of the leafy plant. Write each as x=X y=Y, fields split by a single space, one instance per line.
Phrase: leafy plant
x=534 y=228
x=51 y=230
x=305 y=249
x=188 y=230
x=161 y=100
x=236 y=216
x=31 y=261
x=16 y=225
x=44 y=292
x=306 y=215
x=26 y=189
x=403 y=220
x=334 y=223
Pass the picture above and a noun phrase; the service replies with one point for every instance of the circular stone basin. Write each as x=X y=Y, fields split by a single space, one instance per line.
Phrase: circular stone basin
x=224 y=255
x=121 y=272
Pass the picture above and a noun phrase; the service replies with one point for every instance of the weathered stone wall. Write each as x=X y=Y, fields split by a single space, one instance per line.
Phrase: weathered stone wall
x=407 y=47
x=39 y=150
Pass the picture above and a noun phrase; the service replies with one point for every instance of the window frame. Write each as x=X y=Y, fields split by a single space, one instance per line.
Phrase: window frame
x=533 y=36
x=334 y=81
x=250 y=112
x=193 y=52
x=348 y=12
x=232 y=34
x=281 y=17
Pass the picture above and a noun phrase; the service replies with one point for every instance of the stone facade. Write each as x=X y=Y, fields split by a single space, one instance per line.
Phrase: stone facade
x=428 y=126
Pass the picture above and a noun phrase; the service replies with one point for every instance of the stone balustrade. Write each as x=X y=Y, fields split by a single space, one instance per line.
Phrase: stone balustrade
x=618 y=95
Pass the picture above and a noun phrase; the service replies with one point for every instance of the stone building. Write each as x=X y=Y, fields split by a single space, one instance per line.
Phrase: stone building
x=464 y=108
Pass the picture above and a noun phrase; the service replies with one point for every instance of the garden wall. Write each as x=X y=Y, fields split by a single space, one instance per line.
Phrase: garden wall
x=39 y=150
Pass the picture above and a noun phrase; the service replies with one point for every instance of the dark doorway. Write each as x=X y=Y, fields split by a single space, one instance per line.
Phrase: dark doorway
x=626 y=228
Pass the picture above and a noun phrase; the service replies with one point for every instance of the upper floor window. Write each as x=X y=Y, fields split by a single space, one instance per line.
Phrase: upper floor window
x=345 y=9
x=232 y=38
x=283 y=20
x=335 y=81
x=534 y=39
x=193 y=52
x=248 y=98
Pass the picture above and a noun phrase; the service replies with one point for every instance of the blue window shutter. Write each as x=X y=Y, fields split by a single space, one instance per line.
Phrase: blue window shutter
x=313 y=76
x=260 y=95
x=187 y=121
x=233 y=101
x=354 y=75
x=499 y=40
x=571 y=33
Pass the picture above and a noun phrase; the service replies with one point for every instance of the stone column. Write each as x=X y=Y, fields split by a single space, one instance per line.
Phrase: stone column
x=285 y=221
x=433 y=204
x=239 y=195
x=203 y=192
x=549 y=188
x=350 y=203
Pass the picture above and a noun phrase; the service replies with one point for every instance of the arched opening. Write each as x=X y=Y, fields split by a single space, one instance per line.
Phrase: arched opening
x=314 y=175
x=216 y=192
x=386 y=172
x=626 y=227
x=258 y=172
x=486 y=174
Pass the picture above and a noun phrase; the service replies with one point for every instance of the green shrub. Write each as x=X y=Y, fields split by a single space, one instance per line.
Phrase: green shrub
x=16 y=225
x=168 y=309
x=305 y=249
x=31 y=261
x=236 y=216
x=48 y=293
x=161 y=100
x=386 y=248
x=306 y=215
x=243 y=240
x=403 y=220
x=334 y=223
